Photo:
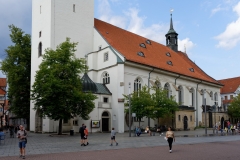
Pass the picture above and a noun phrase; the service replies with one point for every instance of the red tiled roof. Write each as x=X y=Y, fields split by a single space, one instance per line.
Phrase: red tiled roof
x=230 y=85
x=3 y=82
x=128 y=44
x=2 y=92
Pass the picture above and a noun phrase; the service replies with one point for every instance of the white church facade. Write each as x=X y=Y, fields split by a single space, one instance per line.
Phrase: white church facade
x=115 y=58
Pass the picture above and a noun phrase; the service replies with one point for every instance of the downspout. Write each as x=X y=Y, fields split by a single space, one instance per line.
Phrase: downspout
x=176 y=79
x=172 y=111
x=148 y=88
x=197 y=104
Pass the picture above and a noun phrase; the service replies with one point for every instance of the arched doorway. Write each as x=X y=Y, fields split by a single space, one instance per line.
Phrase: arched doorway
x=222 y=123
x=105 y=121
x=185 y=123
x=38 y=122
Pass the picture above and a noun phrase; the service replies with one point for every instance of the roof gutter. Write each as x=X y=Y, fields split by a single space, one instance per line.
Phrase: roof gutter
x=197 y=103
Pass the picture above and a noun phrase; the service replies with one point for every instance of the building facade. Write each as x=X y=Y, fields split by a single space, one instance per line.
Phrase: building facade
x=117 y=58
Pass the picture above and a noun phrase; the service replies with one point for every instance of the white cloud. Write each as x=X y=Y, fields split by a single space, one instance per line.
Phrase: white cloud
x=231 y=36
x=132 y=22
x=185 y=43
x=217 y=9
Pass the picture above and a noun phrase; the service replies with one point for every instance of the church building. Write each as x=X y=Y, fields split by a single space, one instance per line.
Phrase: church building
x=118 y=60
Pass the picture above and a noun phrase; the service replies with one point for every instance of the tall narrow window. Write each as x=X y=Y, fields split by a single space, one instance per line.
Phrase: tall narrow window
x=40 y=49
x=180 y=95
x=105 y=57
x=157 y=84
x=40 y=34
x=216 y=98
x=167 y=89
x=106 y=78
x=40 y=9
x=73 y=7
x=137 y=84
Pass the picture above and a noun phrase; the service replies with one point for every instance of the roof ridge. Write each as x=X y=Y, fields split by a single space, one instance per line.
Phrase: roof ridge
x=229 y=78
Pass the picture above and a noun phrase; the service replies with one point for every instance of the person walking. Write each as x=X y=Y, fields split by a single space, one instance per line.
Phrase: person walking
x=86 y=135
x=113 y=137
x=22 y=137
x=170 y=138
x=81 y=131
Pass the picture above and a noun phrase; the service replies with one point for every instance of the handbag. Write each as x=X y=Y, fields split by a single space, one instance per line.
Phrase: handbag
x=166 y=138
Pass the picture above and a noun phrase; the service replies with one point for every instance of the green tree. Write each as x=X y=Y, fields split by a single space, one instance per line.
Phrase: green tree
x=17 y=67
x=234 y=107
x=57 y=90
x=163 y=106
x=141 y=103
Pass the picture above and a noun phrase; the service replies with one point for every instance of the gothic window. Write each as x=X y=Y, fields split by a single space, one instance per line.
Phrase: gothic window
x=106 y=78
x=180 y=95
x=167 y=89
x=105 y=57
x=211 y=95
x=40 y=49
x=137 y=84
x=157 y=84
x=202 y=92
x=215 y=98
x=192 y=97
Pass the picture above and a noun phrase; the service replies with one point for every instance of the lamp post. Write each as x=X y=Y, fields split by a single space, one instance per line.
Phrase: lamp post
x=129 y=120
x=205 y=110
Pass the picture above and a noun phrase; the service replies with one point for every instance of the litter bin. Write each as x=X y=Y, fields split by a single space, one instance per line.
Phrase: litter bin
x=71 y=132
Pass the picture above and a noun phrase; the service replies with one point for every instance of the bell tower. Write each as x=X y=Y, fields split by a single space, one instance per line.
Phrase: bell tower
x=172 y=37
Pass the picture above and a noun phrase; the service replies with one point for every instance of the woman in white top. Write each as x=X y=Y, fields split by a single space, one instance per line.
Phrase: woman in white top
x=170 y=137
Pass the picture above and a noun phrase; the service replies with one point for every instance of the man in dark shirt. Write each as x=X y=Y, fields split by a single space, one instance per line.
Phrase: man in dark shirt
x=81 y=131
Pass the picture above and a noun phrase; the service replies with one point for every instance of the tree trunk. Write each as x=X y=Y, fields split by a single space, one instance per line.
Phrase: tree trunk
x=60 y=127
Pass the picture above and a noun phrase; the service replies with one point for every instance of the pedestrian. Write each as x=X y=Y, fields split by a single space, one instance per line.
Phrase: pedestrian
x=81 y=131
x=170 y=138
x=22 y=136
x=147 y=130
x=86 y=135
x=113 y=137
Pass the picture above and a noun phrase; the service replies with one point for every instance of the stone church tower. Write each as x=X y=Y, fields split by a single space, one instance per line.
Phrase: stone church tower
x=52 y=22
x=172 y=37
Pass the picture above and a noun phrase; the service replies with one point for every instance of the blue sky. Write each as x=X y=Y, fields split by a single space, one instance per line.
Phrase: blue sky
x=210 y=29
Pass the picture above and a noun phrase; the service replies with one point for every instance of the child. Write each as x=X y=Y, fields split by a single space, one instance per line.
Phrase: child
x=113 y=134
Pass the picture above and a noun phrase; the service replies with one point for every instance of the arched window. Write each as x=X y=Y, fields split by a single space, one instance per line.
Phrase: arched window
x=216 y=98
x=211 y=95
x=202 y=92
x=192 y=97
x=106 y=78
x=157 y=84
x=167 y=88
x=40 y=49
x=137 y=84
x=105 y=114
x=180 y=95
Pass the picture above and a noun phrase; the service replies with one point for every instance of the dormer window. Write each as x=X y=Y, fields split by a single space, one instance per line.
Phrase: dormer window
x=143 y=45
x=140 y=54
x=191 y=69
x=169 y=63
x=148 y=41
x=168 y=54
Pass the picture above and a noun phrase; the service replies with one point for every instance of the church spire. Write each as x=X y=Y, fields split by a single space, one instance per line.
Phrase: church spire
x=172 y=37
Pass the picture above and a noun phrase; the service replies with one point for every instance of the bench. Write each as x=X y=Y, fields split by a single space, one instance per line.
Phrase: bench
x=2 y=138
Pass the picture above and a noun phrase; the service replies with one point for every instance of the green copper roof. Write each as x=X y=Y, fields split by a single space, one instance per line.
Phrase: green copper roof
x=171 y=30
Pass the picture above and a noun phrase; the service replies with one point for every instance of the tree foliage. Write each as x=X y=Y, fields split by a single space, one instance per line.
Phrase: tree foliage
x=57 y=90
x=17 y=67
x=234 y=107
x=152 y=103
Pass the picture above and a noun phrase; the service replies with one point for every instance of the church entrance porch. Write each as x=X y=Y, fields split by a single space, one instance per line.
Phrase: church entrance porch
x=105 y=121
